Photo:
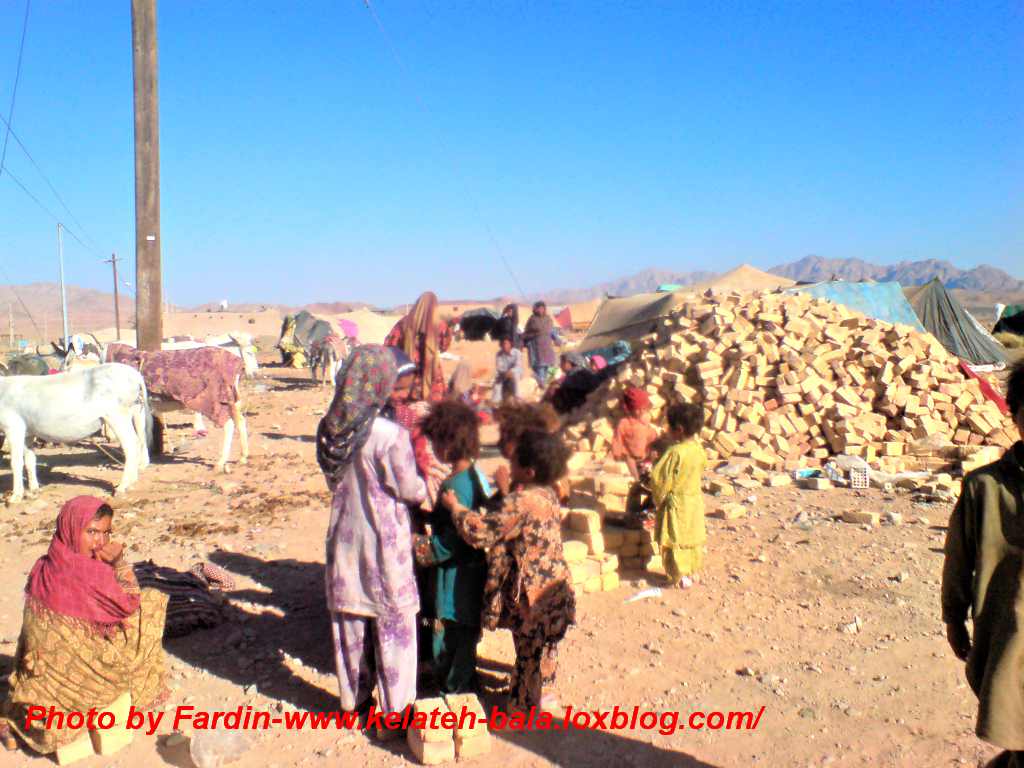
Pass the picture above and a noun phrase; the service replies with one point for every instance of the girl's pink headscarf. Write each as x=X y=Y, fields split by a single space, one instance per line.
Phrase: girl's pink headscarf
x=74 y=584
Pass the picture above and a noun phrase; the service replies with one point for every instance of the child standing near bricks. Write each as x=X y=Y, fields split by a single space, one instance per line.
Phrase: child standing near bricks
x=537 y=601
x=678 y=499
x=633 y=443
x=983 y=575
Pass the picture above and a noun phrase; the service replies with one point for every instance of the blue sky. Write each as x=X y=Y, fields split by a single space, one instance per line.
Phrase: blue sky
x=582 y=140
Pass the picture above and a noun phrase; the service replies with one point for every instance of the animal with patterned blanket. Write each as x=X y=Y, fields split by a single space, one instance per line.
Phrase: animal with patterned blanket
x=204 y=381
x=326 y=356
x=68 y=407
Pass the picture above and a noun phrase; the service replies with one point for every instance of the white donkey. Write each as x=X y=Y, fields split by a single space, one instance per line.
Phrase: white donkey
x=68 y=407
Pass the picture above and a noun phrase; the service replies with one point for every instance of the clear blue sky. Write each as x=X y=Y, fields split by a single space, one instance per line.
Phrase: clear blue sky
x=592 y=138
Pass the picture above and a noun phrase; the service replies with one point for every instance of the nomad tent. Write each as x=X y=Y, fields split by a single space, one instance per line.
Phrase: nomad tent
x=629 y=319
x=882 y=301
x=946 y=319
x=478 y=323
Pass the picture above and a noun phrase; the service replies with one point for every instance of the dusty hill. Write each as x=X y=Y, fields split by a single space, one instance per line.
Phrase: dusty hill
x=87 y=308
x=981 y=278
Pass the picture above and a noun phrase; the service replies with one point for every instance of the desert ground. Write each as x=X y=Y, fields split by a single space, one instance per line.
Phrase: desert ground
x=770 y=625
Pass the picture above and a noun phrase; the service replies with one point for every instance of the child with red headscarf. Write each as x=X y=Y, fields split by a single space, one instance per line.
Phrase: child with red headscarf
x=633 y=443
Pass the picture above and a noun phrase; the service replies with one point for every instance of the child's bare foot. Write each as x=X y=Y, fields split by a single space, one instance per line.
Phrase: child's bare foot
x=686 y=582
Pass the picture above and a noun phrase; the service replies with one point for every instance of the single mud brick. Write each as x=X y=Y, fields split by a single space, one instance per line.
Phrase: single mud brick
x=430 y=752
x=584 y=521
x=609 y=564
x=473 y=746
x=574 y=551
x=427 y=706
x=615 y=484
x=857 y=517
x=609 y=581
x=815 y=483
x=475 y=720
x=593 y=584
x=111 y=740
x=580 y=572
x=778 y=481
x=612 y=503
x=78 y=749
x=633 y=563
x=721 y=487
x=730 y=512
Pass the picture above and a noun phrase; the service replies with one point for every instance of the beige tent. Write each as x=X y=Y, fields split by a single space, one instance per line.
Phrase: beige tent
x=583 y=314
x=743 y=278
x=630 y=318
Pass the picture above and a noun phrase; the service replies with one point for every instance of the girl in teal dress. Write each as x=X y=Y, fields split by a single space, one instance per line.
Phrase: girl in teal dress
x=458 y=569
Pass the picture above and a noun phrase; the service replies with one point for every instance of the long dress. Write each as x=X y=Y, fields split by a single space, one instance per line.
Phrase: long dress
x=982 y=576
x=371 y=591
x=66 y=663
x=679 y=525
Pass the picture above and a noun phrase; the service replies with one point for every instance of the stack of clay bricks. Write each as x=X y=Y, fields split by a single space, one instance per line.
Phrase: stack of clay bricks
x=787 y=380
x=469 y=738
x=598 y=549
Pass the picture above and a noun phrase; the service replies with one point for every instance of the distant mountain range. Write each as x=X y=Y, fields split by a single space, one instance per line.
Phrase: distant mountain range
x=984 y=278
x=980 y=278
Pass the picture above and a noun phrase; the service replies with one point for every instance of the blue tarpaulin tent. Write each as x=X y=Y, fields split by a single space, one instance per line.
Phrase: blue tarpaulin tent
x=882 y=301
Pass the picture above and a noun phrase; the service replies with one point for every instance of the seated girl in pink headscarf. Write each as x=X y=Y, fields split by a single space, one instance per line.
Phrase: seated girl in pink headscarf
x=90 y=638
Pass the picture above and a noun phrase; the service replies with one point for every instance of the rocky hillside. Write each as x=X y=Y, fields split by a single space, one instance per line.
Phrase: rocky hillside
x=981 y=278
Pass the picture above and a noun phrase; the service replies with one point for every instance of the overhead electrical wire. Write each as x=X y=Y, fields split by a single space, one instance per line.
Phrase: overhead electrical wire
x=14 y=91
x=53 y=189
x=462 y=179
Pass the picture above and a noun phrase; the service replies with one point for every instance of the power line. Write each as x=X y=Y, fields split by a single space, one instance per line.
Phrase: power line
x=14 y=92
x=56 y=194
x=462 y=179
x=52 y=215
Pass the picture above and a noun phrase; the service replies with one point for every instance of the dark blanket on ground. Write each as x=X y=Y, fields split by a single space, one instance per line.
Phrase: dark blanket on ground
x=202 y=380
x=191 y=604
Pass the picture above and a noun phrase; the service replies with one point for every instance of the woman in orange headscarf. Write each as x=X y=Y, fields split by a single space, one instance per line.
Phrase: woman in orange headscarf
x=423 y=336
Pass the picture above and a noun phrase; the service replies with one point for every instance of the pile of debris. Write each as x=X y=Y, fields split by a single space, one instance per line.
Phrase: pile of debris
x=788 y=381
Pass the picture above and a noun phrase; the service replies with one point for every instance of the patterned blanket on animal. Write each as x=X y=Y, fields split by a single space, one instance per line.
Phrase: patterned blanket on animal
x=202 y=380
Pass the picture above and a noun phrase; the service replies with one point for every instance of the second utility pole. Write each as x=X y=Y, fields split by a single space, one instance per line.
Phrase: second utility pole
x=117 y=304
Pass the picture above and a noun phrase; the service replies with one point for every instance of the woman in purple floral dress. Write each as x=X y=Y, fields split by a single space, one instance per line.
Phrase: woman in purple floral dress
x=371 y=593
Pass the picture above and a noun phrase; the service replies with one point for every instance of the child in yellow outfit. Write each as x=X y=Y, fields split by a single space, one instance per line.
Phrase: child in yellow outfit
x=678 y=498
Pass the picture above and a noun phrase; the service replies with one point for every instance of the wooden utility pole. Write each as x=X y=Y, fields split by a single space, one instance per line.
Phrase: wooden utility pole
x=63 y=293
x=112 y=261
x=148 y=300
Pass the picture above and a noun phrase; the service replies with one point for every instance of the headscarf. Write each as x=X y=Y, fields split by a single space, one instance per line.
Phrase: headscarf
x=361 y=390
x=598 y=362
x=72 y=584
x=420 y=339
x=635 y=400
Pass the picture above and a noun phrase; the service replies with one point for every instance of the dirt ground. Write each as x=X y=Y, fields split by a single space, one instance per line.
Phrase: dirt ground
x=765 y=628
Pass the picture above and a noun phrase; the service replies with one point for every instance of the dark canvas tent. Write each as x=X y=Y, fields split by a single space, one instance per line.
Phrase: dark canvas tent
x=478 y=323
x=946 y=319
x=1011 y=321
